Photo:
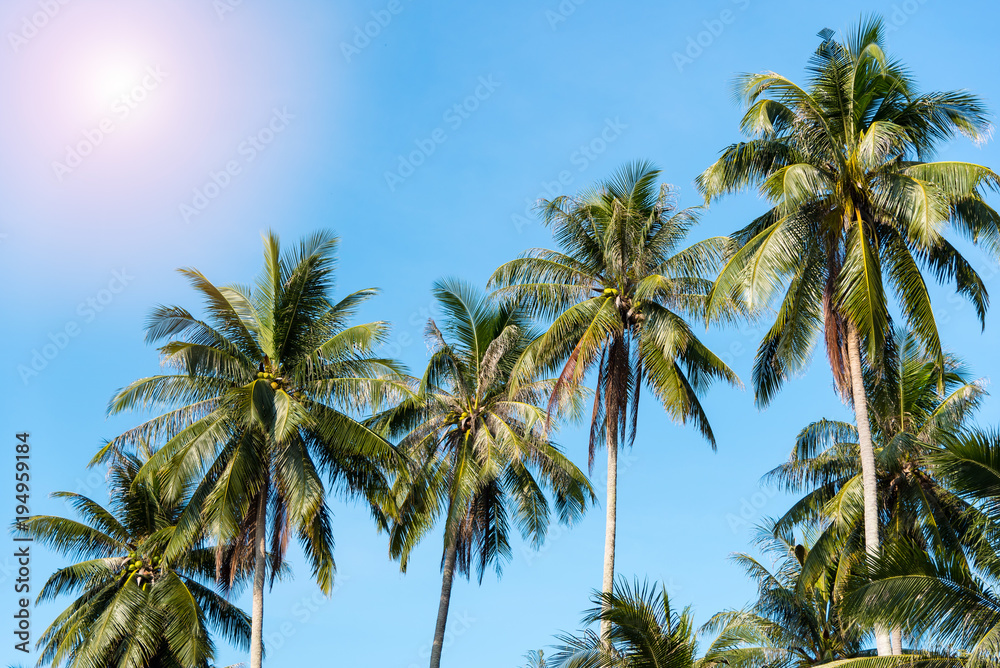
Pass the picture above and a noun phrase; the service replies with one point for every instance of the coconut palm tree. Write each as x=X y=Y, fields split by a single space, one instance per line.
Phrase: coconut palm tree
x=134 y=606
x=617 y=294
x=479 y=442
x=949 y=599
x=856 y=211
x=913 y=417
x=536 y=659
x=644 y=631
x=267 y=395
x=794 y=623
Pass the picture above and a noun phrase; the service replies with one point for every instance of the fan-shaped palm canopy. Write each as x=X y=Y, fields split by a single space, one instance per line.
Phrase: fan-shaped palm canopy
x=134 y=607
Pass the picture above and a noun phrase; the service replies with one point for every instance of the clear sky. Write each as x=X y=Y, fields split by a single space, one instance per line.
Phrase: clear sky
x=198 y=124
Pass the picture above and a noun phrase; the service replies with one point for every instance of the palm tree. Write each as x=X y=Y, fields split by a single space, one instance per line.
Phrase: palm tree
x=617 y=294
x=266 y=401
x=479 y=438
x=135 y=608
x=951 y=598
x=536 y=659
x=912 y=418
x=855 y=206
x=795 y=623
x=644 y=631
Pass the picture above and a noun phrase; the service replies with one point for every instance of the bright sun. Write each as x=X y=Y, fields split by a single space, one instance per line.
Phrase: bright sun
x=111 y=77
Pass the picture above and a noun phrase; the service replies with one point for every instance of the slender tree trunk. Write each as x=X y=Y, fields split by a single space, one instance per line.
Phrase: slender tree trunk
x=259 y=567
x=609 y=529
x=869 y=479
x=442 y=620
x=896 y=640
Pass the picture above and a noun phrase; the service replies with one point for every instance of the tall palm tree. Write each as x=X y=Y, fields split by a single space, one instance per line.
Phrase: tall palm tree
x=951 y=599
x=267 y=399
x=645 y=631
x=855 y=206
x=135 y=608
x=913 y=417
x=617 y=294
x=794 y=623
x=476 y=432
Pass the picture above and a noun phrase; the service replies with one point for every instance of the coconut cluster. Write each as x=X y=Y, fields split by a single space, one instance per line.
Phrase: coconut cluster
x=263 y=375
x=144 y=568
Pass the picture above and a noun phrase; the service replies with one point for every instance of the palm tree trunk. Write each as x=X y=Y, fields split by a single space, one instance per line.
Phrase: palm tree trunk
x=869 y=479
x=449 y=572
x=896 y=640
x=609 y=528
x=259 y=567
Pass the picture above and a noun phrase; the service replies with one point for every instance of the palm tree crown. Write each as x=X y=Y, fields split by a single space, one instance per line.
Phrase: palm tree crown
x=617 y=295
x=912 y=420
x=645 y=631
x=268 y=397
x=795 y=622
x=476 y=431
x=854 y=204
x=135 y=608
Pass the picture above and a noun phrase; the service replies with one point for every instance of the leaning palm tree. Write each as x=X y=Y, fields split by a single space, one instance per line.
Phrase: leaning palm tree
x=794 y=623
x=478 y=438
x=618 y=293
x=134 y=606
x=950 y=600
x=267 y=398
x=855 y=206
x=644 y=631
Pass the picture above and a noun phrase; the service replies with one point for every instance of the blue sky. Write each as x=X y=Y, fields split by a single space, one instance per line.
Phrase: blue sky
x=278 y=115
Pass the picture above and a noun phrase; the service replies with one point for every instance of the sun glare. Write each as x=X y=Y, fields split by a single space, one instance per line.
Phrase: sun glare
x=112 y=78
